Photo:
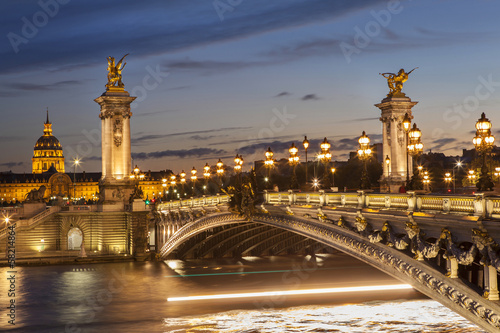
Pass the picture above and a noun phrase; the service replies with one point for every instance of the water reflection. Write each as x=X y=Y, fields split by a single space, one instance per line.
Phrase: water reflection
x=132 y=297
x=401 y=316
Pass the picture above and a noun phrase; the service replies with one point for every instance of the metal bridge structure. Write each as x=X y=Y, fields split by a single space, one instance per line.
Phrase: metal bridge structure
x=446 y=247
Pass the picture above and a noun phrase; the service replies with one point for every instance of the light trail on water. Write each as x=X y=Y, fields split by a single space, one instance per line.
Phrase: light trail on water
x=292 y=292
x=260 y=272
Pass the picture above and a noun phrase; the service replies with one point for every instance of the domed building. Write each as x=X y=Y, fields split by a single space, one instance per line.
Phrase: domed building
x=48 y=151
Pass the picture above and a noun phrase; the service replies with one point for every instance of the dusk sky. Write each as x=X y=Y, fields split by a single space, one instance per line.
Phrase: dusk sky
x=217 y=78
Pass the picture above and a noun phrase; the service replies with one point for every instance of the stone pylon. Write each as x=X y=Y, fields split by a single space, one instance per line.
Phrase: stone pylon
x=393 y=110
x=115 y=186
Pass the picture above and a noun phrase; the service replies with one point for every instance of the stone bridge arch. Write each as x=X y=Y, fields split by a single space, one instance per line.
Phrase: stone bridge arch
x=452 y=293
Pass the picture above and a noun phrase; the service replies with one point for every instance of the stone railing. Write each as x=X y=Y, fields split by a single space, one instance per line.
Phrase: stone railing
x=477 y=204
x=26 y=223
x=37 y=218
x=194 y=202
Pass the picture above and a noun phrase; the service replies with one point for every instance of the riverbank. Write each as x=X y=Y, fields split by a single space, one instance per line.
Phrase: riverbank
x=67 y=258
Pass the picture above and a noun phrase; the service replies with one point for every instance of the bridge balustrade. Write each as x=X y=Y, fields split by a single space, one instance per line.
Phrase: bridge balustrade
x=194 y=202
x=477 y=204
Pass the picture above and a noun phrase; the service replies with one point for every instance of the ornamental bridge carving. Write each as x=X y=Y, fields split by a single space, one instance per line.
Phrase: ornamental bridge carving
x=446 y=247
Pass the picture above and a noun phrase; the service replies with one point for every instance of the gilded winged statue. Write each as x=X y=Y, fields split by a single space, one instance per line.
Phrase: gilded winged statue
x=115 y=72
x=395 y=81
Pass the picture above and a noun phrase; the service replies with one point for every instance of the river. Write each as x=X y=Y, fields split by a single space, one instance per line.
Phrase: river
x=132 y=297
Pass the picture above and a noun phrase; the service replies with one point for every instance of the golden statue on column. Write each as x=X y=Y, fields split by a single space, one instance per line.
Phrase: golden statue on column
x=395 y=82
x=115 y=73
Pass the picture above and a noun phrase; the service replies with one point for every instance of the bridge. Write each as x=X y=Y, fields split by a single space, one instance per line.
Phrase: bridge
x=446 y=247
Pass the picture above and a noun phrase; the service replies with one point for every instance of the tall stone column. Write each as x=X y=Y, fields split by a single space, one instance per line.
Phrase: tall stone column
x=115 y=187
x=393 y=110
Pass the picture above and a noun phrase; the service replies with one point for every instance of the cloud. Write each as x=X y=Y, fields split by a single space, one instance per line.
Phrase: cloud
x=206 y=137
x=149 y=35
x=11 y=164
x=310 y=97
x=41 y=87
x=359 y=119
x=144 y=114
x=145 y=139
x=301 y=49
x=439 y=143
x=284 y=93
x=207 y=67
x=182 y=153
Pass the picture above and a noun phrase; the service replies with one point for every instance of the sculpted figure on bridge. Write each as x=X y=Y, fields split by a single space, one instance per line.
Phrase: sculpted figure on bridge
x=115 y=72
x=395 y=81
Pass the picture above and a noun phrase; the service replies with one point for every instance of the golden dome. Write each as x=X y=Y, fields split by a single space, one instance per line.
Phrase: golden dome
x=48 y=151
x=47 y=141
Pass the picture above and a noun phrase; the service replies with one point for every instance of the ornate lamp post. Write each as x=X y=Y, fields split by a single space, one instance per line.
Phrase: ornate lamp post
x=497 y=173
x=415 y=148
x=164 y=185
x=387 y=163
x=76 y=162
x=306 y=145
x=269 y=163
x=472 y=177
x=206 y=175
x=238 y=164
x=426 y=181
x=333 y=176
x=183 y=181
x=457 y=165
x=325 y=157
x=220 y=171
x=364 y=153
x=483 y=141
x=447 y=180
x=406 y=127
x=194 y=178
x=293 y=160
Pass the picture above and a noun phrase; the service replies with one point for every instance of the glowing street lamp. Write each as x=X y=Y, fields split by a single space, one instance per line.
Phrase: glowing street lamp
x=293 y=160
x=206 y=175
x=206 y=171
x=497 y=173
x=333 y=176
x=387 y=163
x=193 y=174
x=415 y=147
x=472 y=177
x=364 y=154
x=220 y=171
x=306 y=145
x=269 y=162
x=238 y=163
x=426 y=181
x=483 y=141
x=220 y=168
x=325 y=156
x=406 y=126
x=457 y=165
x=76 y=162
x=447 y=180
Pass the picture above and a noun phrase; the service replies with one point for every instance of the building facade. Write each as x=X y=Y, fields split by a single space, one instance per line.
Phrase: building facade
x=48 y=170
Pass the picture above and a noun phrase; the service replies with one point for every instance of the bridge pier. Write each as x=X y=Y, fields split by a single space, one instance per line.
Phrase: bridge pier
x=490 y=283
